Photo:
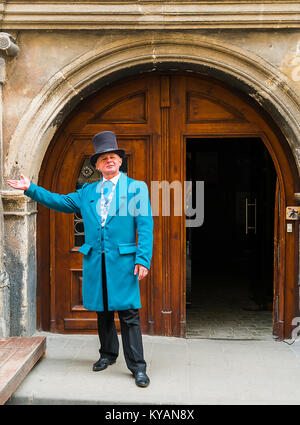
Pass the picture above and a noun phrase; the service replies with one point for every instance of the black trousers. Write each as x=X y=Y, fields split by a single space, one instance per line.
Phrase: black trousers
x=130 y=332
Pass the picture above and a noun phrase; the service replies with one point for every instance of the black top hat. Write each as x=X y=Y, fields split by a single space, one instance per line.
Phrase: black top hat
x=105 y=142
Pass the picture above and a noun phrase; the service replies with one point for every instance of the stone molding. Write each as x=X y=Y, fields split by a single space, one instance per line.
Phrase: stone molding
x=15 y=203
x=259 y=79
x=14 y=195
x=148 y=14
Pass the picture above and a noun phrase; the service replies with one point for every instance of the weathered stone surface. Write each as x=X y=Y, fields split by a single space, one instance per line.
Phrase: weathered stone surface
x=19 y=218
x=257 y=51
x=4 y=278
x=45 y=58
x=144 y=14
x=4 y=304
x=37 y=122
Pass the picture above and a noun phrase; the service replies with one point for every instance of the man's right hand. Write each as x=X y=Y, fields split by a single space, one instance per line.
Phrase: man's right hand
x=22 y=184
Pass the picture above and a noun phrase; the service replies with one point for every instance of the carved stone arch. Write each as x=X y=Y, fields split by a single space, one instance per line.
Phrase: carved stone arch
x=91 y=71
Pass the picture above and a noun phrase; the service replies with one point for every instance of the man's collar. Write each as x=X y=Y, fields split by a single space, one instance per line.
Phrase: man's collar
x=114 y=179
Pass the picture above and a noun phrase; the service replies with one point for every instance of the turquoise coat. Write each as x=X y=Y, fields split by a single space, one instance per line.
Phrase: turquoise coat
x=129 y=213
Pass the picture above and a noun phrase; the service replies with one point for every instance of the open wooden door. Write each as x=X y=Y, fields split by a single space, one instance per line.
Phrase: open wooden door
x=277 y=210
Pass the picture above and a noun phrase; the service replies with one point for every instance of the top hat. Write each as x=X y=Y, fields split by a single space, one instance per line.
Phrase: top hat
x=105 y=142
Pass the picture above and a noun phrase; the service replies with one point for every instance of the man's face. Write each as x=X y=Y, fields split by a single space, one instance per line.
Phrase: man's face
x=109 y=164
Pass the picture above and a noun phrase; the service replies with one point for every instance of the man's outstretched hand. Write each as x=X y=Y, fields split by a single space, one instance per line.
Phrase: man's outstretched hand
x=22 y=184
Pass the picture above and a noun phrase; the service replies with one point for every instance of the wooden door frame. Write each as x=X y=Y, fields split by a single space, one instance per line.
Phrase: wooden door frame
x=288 y=291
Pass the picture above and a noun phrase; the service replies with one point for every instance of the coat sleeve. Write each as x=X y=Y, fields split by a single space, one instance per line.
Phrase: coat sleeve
x=144 y=225
x=69 y=203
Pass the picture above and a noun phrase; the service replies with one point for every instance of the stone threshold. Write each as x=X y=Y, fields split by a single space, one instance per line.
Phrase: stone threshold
x=18 y=355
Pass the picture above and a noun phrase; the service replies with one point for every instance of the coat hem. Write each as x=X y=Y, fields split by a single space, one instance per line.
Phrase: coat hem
x=110 y=309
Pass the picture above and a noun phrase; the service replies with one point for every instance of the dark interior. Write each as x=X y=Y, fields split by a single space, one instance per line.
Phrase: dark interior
x=228 y=264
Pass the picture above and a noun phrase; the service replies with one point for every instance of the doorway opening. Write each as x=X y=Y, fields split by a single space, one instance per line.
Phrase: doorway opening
x=229 y=261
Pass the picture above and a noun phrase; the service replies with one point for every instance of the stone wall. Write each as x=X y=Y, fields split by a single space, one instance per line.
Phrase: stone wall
x=5 y=317
x=44 y=54
x=63 y=59
x=20 y=262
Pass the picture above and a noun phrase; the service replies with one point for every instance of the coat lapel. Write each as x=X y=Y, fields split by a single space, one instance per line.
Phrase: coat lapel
x=119 y=199
x=95 y=201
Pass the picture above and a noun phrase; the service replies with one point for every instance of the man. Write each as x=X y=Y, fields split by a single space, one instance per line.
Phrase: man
x=114 y=210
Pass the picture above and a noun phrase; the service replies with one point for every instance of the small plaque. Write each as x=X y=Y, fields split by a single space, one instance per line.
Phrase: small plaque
x=293 y=213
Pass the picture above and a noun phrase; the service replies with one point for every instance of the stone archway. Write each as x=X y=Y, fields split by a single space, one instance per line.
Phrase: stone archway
x=94 y=69
x=88 y=73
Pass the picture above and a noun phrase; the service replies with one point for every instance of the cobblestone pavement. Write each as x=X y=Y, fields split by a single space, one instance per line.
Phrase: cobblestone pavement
x=219 y=310
x=233 y=324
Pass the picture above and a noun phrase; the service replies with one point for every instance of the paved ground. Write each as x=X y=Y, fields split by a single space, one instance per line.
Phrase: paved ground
x=182 y=371
x=228 y=321
x=220 y=308
x=229 y=357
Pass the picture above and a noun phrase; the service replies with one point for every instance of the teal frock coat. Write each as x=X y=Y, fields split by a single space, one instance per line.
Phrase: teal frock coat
x=129 y=218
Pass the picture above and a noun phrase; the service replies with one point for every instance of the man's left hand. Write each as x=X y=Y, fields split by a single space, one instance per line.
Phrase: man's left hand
x=141 y=270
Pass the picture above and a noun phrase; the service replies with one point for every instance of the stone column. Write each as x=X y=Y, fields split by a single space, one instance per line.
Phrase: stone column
x=7 y=49
x=20 y=261
x=4 y=285
x=4 y=279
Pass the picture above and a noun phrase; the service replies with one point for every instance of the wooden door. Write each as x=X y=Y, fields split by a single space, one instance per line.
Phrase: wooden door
x=152 y=116
x=277 y=280
x=130 y=110
x=69 y=312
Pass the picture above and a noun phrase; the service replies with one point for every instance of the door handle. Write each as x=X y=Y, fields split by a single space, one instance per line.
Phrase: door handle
x=248 y=205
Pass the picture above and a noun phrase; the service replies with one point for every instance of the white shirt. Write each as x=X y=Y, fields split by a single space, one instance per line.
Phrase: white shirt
x=114 y=180
x=104 y=211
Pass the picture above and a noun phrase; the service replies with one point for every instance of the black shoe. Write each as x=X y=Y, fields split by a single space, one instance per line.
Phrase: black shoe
x=141 y=379
x=102 y=364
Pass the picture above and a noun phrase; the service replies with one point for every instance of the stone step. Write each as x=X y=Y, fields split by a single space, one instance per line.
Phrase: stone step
x=17 y=357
